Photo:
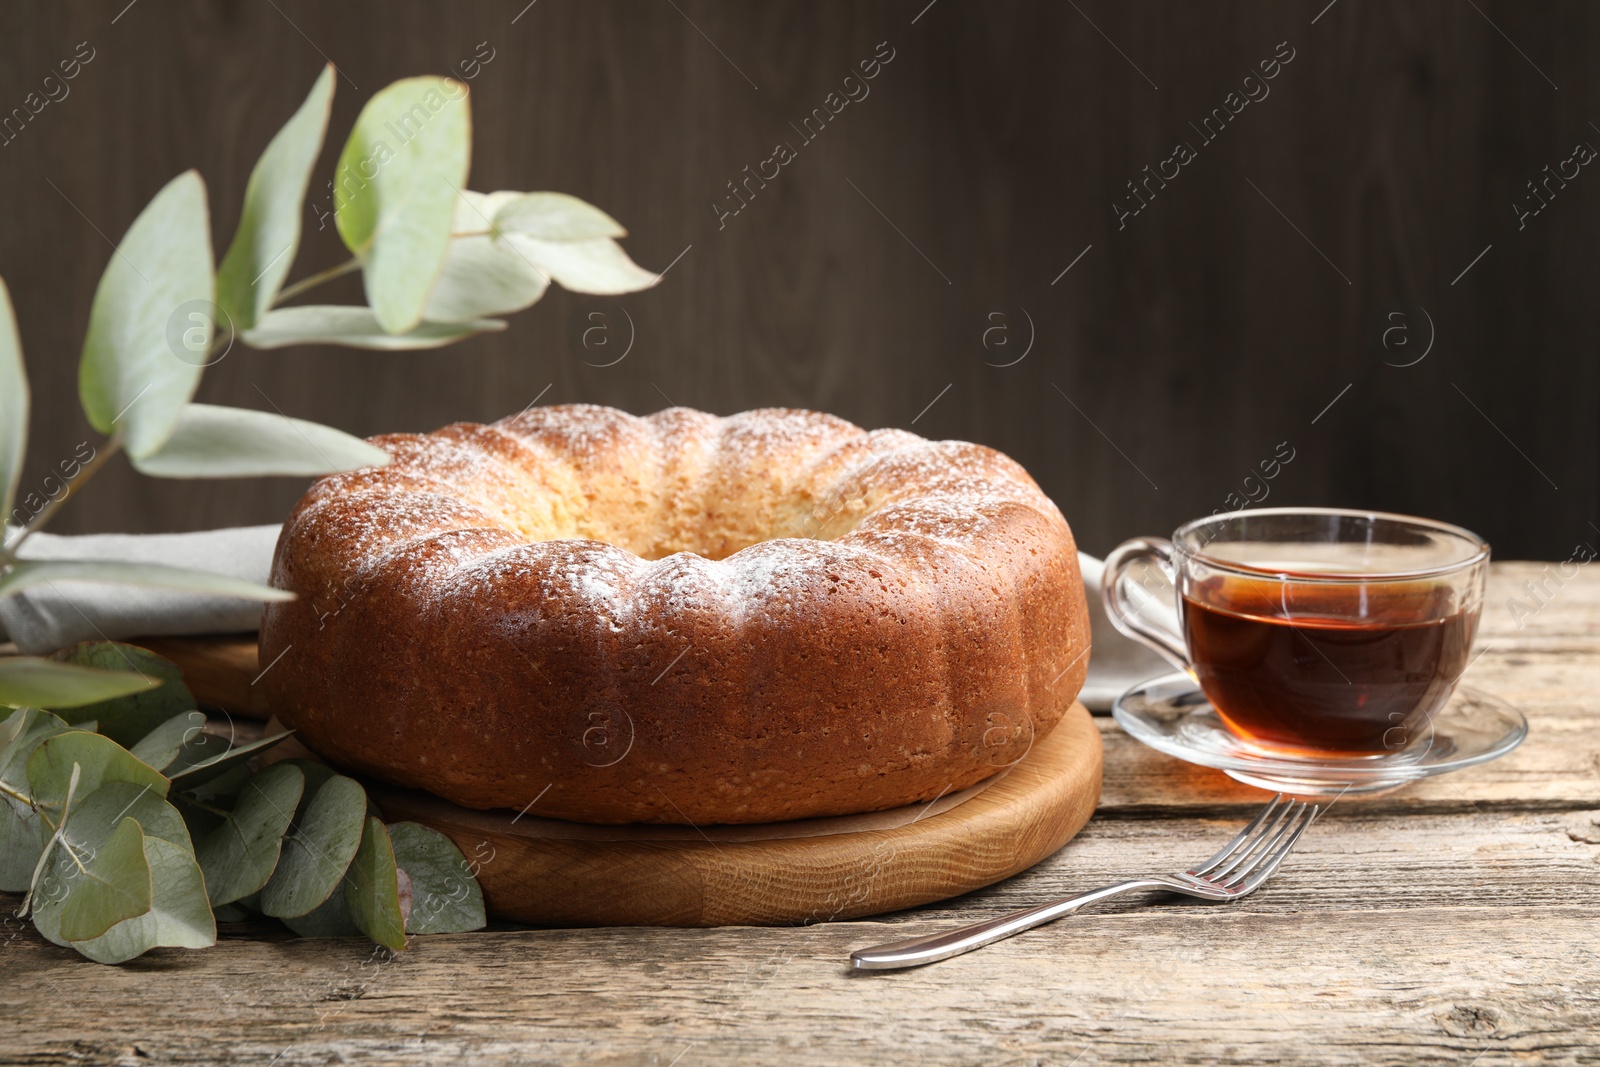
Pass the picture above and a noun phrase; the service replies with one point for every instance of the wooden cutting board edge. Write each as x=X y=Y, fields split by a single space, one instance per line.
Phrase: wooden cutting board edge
x=1029 y=814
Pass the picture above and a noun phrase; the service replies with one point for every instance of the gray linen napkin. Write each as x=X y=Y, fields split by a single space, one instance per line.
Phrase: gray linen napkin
x=53 y=616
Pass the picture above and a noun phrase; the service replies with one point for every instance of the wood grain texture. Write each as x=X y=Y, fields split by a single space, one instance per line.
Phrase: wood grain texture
x=1166 y=364
x=1426 y=939
x=569 y=875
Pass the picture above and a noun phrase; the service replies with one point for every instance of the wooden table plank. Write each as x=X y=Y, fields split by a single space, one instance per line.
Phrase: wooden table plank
x=1437 y=984
x=1420 y=938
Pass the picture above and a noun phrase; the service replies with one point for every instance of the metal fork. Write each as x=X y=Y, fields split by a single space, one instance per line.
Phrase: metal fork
x=1237 y=871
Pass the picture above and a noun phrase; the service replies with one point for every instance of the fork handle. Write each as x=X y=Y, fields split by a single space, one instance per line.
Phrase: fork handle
x=916 y=951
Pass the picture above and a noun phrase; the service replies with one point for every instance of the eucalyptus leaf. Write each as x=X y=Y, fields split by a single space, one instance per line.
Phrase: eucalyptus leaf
x=99 y=759
x=268 y=237
x=130 y=379
x=598 y=266
x=112 y=887
x=239 y=856
x=20 y=733
x=125 y=719
x=372 y=888
x=22 y=831
x=317 y=774
x=91 y=823
x=395 y=191
x=553 y=217
x=95 y=816
x=231 y=913
x=218 y=442
x=331 y=918
x=161 y=746
x=318 y=850
x=179 y=916
x=445 y=897
x=199 y=819
x=221 y=790
x=31 y=680
x=355 y=327
x=29 y=573
x=483 y=275
x=208 y=757
x=13 y=405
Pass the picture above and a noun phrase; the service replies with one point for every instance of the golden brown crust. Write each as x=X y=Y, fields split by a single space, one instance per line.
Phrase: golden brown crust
x=677 y=618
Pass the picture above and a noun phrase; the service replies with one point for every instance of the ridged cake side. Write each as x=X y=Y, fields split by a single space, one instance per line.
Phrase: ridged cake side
x=677 y=618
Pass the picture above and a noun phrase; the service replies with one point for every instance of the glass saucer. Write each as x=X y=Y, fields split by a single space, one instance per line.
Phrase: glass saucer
x=1172 y=715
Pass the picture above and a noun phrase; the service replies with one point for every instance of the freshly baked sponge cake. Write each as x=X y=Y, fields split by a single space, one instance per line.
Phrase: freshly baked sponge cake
x=679 y=619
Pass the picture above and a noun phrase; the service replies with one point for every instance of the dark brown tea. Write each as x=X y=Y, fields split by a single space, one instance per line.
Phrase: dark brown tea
x=1335 y=669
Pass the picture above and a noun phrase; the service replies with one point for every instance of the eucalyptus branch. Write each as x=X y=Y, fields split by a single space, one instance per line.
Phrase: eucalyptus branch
x=44 y=857
x=195 y=802
x=20 y=798
x=289 y=292
x=37 y=523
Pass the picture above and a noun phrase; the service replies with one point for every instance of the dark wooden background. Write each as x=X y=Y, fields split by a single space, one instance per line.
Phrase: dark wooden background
x=1172 y=358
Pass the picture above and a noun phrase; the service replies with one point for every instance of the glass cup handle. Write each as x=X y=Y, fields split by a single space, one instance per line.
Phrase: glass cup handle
x=1126 y=601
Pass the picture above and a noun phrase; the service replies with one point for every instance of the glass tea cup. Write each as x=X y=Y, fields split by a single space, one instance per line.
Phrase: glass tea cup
x=1313 y=632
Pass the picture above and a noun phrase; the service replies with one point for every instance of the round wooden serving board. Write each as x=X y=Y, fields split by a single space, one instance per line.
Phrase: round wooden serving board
x=555 y=873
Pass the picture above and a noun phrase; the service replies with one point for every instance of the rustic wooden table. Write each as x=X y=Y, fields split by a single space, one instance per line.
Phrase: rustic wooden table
x=1457 y=921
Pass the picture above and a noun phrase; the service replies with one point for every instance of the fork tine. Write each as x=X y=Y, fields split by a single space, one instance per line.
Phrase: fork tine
x=1307 y=817
x=1296 y=811
x=1238 y=840
x=1257 y=846
x=1295 y=815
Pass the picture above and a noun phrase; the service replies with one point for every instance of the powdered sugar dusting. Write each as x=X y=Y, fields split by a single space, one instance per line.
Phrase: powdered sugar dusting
x=812 y=477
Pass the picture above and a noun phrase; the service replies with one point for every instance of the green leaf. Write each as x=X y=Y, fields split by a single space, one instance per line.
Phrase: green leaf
x=239 y=856
x=553 y=217
x=95 y=816
x=355 y=327
x=222 y=790
x=22 y=831
x=90 y=824
x=45 y=683
x=268 y=237
x=179 y=916
x=208 y=757
x=29 y=573
x=100 y=760
x=130 y=380
x=395 y=191
x=372 y=888
x=318 y=851
x=13 y=405
x=231 y=913
x=483 y=275
x=22 y=732
x=598 y=266
x=331 y=918
x=161 y=746
x=217 y=442
x=113 y=887
x=199 y=820
x=126 y=719
x=445 y=897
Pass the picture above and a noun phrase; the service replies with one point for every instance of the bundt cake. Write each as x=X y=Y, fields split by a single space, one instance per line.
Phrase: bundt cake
x=681 y=618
